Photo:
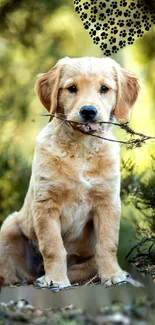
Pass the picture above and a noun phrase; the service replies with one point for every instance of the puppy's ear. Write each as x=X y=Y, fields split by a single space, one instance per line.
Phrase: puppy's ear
x=127 y=92
x=47 y=87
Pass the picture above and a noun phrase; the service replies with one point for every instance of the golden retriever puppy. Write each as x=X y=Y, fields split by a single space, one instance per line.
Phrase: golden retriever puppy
x=67 y=230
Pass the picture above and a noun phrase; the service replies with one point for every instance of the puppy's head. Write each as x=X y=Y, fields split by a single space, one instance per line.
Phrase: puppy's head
x=88 y=90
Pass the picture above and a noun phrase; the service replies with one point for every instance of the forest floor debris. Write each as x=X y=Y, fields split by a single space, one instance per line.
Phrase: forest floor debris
x=141 y=312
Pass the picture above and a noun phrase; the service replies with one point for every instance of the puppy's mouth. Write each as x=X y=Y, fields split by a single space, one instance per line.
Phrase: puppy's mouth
x=89 y=127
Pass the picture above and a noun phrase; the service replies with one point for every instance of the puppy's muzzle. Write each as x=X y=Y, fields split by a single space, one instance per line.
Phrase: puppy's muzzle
x=88 y=113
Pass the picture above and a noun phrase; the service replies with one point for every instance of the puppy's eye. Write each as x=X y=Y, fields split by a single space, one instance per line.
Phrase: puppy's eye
x=72 y=89
x=104 y=89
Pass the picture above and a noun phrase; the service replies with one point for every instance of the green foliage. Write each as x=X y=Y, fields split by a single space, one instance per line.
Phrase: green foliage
x=28 y=40
x=139 y=189
x=14 y=179
x=22 y=19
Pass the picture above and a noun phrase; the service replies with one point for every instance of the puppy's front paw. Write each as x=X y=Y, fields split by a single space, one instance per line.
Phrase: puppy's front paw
x=121 y=276
x=46 y=282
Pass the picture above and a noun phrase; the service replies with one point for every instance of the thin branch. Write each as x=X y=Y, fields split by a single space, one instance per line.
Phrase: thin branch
x=137 y=142
x=91 y=281
x=139 y=244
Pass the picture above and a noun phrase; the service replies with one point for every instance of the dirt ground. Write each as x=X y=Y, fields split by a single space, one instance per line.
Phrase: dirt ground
x=141 y=312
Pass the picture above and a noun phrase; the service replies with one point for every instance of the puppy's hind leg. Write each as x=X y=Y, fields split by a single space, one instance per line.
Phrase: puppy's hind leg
x=83 y=272
x=13 y=253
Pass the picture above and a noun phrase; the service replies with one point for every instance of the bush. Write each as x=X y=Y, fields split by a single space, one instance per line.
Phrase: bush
x=140 y=190
x=14 y=179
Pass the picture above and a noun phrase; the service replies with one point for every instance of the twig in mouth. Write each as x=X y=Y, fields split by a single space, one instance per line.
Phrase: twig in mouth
x=137 y=142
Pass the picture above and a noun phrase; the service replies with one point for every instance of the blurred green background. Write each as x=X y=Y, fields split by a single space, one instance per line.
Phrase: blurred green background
x=33 y=36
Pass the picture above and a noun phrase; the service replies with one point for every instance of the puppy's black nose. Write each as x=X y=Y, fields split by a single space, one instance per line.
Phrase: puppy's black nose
x=88 y=113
